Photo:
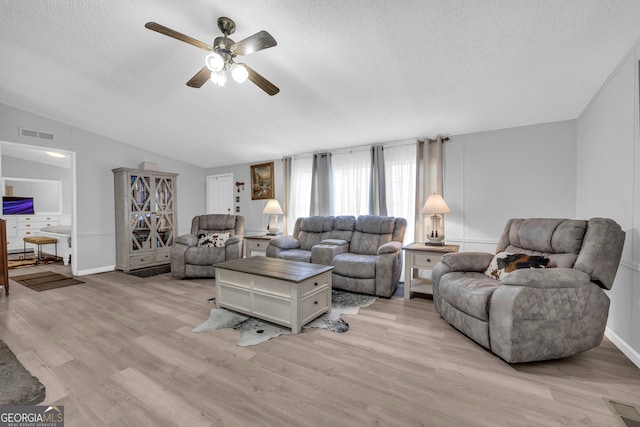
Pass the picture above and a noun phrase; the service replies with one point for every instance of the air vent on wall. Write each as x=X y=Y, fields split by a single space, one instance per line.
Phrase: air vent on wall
x=36 y=134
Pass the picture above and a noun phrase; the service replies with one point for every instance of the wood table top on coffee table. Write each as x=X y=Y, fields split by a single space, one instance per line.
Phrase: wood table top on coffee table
x=289 y=293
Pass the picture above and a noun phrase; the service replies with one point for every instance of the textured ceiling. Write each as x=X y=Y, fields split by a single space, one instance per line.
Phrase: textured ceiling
x=349 y=72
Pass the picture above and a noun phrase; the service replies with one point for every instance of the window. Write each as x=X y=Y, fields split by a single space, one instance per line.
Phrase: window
x=351 y=173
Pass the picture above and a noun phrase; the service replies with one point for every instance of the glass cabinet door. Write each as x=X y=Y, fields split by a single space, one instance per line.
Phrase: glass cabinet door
x=164 y=221
x=141 y=216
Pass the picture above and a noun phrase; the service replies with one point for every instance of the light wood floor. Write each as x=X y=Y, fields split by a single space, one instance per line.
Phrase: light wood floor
x=118 y=351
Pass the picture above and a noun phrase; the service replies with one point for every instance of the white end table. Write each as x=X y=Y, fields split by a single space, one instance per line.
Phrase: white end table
x=419 y=256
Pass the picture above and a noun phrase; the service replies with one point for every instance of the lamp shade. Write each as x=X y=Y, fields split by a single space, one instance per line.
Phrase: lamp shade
x=435 y=204
x=273 y=208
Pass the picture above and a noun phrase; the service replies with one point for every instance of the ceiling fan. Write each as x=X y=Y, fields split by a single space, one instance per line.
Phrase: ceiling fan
x=221 y=59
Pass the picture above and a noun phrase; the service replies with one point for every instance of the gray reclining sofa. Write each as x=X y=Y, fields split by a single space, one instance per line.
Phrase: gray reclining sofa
x=530 y=313
x=366 y=252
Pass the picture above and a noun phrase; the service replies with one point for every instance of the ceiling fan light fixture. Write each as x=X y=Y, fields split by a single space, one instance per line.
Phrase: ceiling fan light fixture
x=214 y=61
x=239 y=73
x=219 y=77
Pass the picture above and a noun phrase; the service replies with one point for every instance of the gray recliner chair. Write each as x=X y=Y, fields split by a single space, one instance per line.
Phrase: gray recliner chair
x=532 y=314
x=193 y=255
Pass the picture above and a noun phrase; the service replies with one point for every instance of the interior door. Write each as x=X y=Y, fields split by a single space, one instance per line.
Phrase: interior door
x=220 y=194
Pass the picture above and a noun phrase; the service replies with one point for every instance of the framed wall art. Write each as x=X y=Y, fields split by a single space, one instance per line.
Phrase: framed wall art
x=262 y=181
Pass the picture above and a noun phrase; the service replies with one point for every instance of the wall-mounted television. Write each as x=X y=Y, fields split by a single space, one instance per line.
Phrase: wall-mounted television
x=17 y=205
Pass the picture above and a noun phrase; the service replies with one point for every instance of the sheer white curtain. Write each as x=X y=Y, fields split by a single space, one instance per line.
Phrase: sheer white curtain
x=400 y=173
x=300 y=196
x=351 y=174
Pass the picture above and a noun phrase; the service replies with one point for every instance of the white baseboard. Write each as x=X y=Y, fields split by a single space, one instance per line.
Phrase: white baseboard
x=96 y=270
x=633 y=355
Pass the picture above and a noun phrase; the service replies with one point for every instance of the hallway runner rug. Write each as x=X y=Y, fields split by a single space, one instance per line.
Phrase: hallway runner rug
x=45 y=280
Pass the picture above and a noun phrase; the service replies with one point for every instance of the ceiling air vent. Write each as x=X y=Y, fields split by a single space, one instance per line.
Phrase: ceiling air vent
x=35 y=134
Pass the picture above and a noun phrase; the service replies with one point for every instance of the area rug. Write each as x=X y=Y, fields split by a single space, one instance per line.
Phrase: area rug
x=45 y=280
x=151 y=271
x=254 y=331
x=19 y=387
x=18 y=260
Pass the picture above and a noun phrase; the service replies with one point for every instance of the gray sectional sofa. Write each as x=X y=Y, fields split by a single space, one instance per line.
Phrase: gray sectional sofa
x=509 y=304
x=366 y=252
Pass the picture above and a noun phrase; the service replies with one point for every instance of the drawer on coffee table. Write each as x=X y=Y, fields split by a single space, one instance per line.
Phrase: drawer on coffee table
x=315 y=283
x=315 y=304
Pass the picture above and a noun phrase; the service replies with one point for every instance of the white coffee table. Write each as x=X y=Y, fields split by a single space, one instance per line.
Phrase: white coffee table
x=288 y=293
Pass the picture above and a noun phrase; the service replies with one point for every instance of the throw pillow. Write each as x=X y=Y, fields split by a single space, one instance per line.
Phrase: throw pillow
x=504 y=263
x=213 y=240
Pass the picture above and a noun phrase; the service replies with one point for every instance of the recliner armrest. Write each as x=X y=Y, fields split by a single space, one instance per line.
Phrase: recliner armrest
x=187 y=239
x=547 y=278
x=285 y=242
x=234 y=239
x=390 y=247
x=467 y=261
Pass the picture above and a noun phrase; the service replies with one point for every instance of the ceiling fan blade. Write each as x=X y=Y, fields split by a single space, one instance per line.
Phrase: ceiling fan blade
x=261 y=82
x=254 y=43
x=200 y=78
x=176 y=35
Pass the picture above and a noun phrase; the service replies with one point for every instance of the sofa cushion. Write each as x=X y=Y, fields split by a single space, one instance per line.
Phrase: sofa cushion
x=343 y=228
x=468 y=292
x=215 y=223
x=204 y=255
x=371 y=232
x=313 y=230
x=213 y=240
x=355 y=265
x=503 y=263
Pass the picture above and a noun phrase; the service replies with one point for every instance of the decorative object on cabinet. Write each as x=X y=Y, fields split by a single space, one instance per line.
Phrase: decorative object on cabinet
x=262 y=181
x=273 y=209
x=419 y=256
x=436 y=206
x=146 y=217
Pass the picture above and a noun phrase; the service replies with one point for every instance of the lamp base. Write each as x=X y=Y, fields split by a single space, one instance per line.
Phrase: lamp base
x=434 y=243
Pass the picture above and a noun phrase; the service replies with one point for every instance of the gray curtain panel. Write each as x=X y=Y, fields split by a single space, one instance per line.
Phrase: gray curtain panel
x=286 y=171
x=377 y=187
x=322 y=185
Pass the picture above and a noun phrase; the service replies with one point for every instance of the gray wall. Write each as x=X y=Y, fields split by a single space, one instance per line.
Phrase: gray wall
x=20 y=168
x=255 y=221
x=96 y=156
x=608 y=171
x=490 y=177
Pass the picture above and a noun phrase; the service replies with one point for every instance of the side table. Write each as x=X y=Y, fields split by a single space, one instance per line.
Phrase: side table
x=257 y=245
x=419 y=256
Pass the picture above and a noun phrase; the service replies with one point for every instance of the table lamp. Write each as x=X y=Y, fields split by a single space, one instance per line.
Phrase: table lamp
x=436 y=206
x=273 y=209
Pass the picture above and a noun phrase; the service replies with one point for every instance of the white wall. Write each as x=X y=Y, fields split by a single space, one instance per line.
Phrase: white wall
x=20 y=168
x=96 y=156
x=607 y=174
x=493 y=176
x=255 y=221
